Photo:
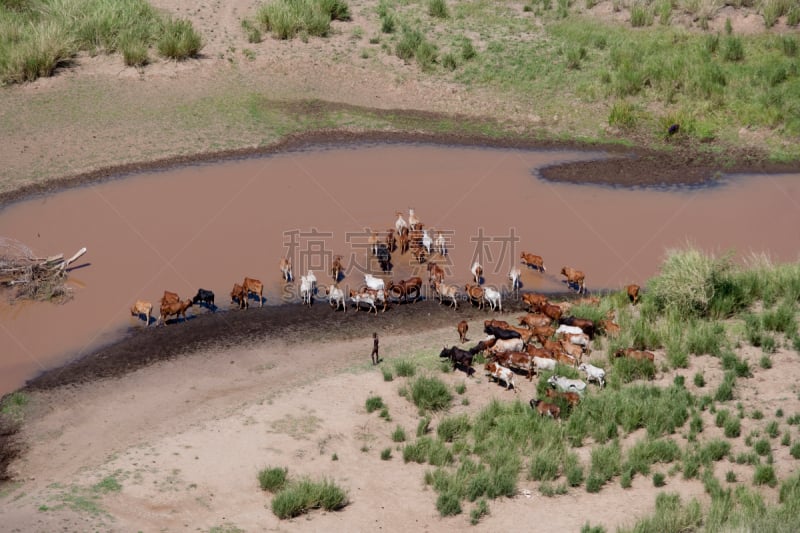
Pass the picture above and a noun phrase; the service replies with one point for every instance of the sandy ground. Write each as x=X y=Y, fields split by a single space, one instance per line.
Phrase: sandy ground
x=185 y=438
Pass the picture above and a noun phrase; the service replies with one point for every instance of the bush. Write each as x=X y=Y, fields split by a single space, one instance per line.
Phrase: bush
x=794 y=451
x=733 y=48
x=765 y=475
x=762 y=447
x=386 y=454
x=481 y=509
x=671 y=515
x=399 y=434
x=641 y=15
x=659 y=480
x=438 y=9
x=449 y=61
x=772 y=429
x=426 y=55
x=300 y=497
x=699 y=380
x=387 y=374
x=733 y=428
x=388 y=24
x=423 y=426
x=406 y=48
x=430 y=394
x=730 y=476
x=453 y=427
x=623 y=115
x=573 y=470
x=725 y=391
x=687 y=282
x=403 y=368
x=272 y=479
x=134 y=51
x=544 y=465
x=467 y=50
x=374 y=403
x=179 y=40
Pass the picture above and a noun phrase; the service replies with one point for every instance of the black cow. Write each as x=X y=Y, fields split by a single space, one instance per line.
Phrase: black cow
x=459 y=357
x=500 y=333
x=206 y=297
x=384 y=258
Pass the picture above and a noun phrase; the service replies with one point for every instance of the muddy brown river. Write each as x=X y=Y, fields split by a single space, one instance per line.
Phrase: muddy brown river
x=211 y=225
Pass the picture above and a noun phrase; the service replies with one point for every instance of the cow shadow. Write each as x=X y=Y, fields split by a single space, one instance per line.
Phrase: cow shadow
x=148 y=320
x=205 y=305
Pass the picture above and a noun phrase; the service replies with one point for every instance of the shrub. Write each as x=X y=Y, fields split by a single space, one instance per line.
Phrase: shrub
x=481 y=509
x=732 y=48
x=336 y=9
x=606 y=463
x=699 y=380
x=299 y=497
x=449 y=61
x=388 y=24
x=725 y=390
x=438 y=9
x=794 y=451
x=544 y=465
x=430 y=394
x=575 y=54
x=762 y=447
x=406 y=48
x=399 y=434
x=765 y=475
x=386 y=454
x=671 y=515
x=404 y=368
x=786 y=439
x=252 y=31
x=733 y=428
x=453 y=427
x=272 y=479
x=134 y=51
x=179 y=40
x=730 y=476
x=623 y=115
x=772 y=429
x=659 y=480
x=426 y=55
x=688 y=281
x=423 y=426
x=467 y=50
x=641 y=15
x=374 y=403
x=573 y=470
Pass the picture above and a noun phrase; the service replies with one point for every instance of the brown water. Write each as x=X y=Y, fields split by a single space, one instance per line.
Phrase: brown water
x=209 y=226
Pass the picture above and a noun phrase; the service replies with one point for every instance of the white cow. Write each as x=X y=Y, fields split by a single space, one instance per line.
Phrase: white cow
x=594 y=373
x=567 y=385
x=507 y=345
x=427 y=242
x=477 y=272
x=400 y=223
x=306 y=289
x=501 y=373
x=374 y=283
x=312 y=279
x=494 y=298
x=446 y=291
x=543 y=363
x=413 y=221
x=336 y=297
x=364 y=298
x=569 y=330
x=440 y=244
x=514 y=275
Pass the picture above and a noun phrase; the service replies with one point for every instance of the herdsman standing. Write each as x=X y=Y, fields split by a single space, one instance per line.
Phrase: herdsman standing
x=375 y=357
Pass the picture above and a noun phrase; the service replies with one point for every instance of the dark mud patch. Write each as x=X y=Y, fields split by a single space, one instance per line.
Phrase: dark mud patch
x=292 y=323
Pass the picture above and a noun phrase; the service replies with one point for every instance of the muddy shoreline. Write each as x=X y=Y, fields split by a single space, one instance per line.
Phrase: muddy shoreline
x=626 y=166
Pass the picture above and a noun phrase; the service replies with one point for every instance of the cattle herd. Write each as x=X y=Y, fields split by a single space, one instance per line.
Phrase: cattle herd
x=543 y=337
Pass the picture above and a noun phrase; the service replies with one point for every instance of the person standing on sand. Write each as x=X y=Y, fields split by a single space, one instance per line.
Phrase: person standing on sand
x=375 y=358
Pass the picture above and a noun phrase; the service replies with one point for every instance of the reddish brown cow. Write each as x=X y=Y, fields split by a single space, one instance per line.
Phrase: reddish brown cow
x=238 y=294
x=285 y=266
x=435 y=273
x=254 y=286
x=419 y=253
x=391 y=242
x=633 y=293
x=496 y=323
x=543 y=332
x=533 y=351
x=575 y=277
x=534 y=320
x=337 y=268
x=403 y=240
x=534 y=301
x=533 y=261
x=178 y=309
x=475 y=294
x=589 y=300
x=639 y=355
x=519 y=360
x=552 y=311
x=462 y=327
x=573 y=350
x=550 y=345
x=546 y=409
x=404 y=287
x=610 y=327
x=170 y=298
x=572 y=398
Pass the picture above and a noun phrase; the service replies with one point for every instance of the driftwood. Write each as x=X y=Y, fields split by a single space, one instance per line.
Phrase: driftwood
x=35 y=277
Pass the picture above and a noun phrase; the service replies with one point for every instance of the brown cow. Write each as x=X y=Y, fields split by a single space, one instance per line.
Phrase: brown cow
x=496 y=323
x=546 y=409
x=462 y=327
x=238 y=294
x=639 y=355
x=404 y=287
x=533 y=261
x=373 y=241
x=553 y=311
x=475 y=294
x=337 y=268
x=170 y=298
x=519 y=360
x=419 y=253
x=586 y=325
x=575 y=277
x=534 y=301
x=435 y=273
x=572 y=398
x=254 y=286
x=142 y=307
x=177 y=309
x=391 y=241
x=575 y=351
x=403 y=240
x=588 y=300
x=534 y=320
x=633 y=293
x=610 y=327
x=285 y=266
x=543 y=332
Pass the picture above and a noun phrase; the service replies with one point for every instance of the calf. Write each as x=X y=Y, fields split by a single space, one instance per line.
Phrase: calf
x=204 y=296
x=363 y=298
x=572 y=398
x=545 y=409
x=440 y=243
x=594 y=373
x=384 y=258
x=142 y=307
x=575 y=277
x=516 y=359
x=500 y=373
x=462 y=327
x=639 y=355
x=633 y=293
x=177 y=309
x=575 y=351
x=533 y=261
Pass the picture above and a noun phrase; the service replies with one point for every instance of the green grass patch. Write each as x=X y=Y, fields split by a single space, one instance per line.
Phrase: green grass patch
x=273 y=479
x=430 y=394
x=299 y=497
x=374 y=403
x=404 y=368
